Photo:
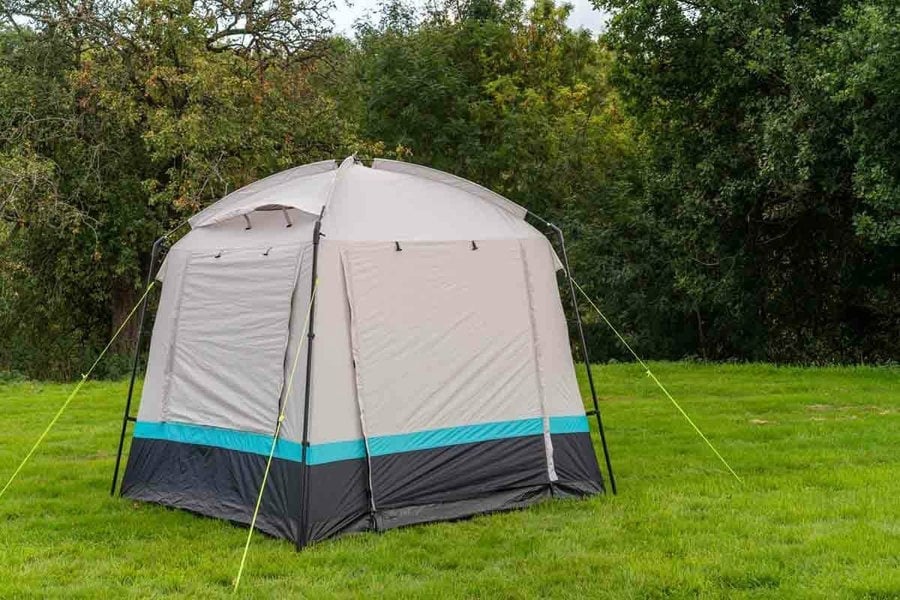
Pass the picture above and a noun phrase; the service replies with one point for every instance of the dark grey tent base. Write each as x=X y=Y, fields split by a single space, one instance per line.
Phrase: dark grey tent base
x=214 y=482
x=224 y=483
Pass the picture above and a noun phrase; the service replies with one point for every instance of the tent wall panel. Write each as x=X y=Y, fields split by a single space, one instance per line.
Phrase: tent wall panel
x=339 y=498
x=269 y=231
x=334 y=412
x=232 y=333
x=539 y=361
x=163 y=331
x=214 y=482
x=441 y=335
x=576 y=463
x=458 y=472
x=295 y=366
x=557 y=372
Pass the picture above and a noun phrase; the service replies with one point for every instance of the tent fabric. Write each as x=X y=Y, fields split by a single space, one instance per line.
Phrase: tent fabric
x=231 y=337
x=377 y=204
x=442 y=382
x=453 y=181
x=443 y=324
x=390 y=201
x=303 y=188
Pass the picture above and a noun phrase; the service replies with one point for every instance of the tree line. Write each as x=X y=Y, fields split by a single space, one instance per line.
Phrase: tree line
x=727 y=173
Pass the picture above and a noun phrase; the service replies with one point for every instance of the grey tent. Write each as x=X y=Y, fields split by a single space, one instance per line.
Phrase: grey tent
x=436 y=380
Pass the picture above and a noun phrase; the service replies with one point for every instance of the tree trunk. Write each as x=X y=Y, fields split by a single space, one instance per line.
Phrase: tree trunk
x=124 y=296
x=701 y=337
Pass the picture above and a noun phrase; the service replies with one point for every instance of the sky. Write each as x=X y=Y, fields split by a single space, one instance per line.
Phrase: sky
x=346 y=12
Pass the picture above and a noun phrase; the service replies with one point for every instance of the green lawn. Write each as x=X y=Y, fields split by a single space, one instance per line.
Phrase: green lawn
x=818 y=516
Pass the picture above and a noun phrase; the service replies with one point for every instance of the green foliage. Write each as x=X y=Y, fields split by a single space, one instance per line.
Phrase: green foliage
x=771 y=144
x=817 y=516
x=859 y=63
x=513 y=100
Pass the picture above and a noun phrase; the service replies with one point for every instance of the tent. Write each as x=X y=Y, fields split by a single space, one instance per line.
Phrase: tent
x=418 y=314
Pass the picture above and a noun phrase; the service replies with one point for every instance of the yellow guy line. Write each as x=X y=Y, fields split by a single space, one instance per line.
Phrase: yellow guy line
x=84 y=378
x=656 y=381
x=262 y=487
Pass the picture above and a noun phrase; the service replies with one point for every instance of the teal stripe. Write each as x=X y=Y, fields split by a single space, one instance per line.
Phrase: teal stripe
x=453 y=436
x=230 y=439
x=260 y=443
x=574 y=424
x=334 y=451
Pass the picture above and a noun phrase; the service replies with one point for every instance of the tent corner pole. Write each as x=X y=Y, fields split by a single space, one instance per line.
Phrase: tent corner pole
x=126 y=415
x=584 y=354
x=303 y=525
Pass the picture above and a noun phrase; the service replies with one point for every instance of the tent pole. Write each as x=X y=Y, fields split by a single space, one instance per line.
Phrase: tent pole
x=126 y=416
x=303 y=534
x=584 y=354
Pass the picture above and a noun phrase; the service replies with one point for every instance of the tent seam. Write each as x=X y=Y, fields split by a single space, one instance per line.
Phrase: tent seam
x=548 y=441
x=354 y=352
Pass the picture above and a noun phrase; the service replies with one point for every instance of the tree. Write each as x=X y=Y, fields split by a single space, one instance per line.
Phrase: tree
x=770 y=171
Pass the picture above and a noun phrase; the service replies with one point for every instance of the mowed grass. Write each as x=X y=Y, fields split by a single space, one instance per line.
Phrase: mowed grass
x=817 y=517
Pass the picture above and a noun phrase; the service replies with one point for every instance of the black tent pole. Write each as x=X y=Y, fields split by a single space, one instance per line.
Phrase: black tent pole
x=587 y=360
x=303 y=534
x=584 y=351
x=126 y=416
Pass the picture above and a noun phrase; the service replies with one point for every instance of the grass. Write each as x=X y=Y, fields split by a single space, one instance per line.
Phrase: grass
x=818 y=516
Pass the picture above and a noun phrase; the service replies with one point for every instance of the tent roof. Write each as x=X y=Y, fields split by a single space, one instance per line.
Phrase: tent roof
x=302 y=187
x=390 y=201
